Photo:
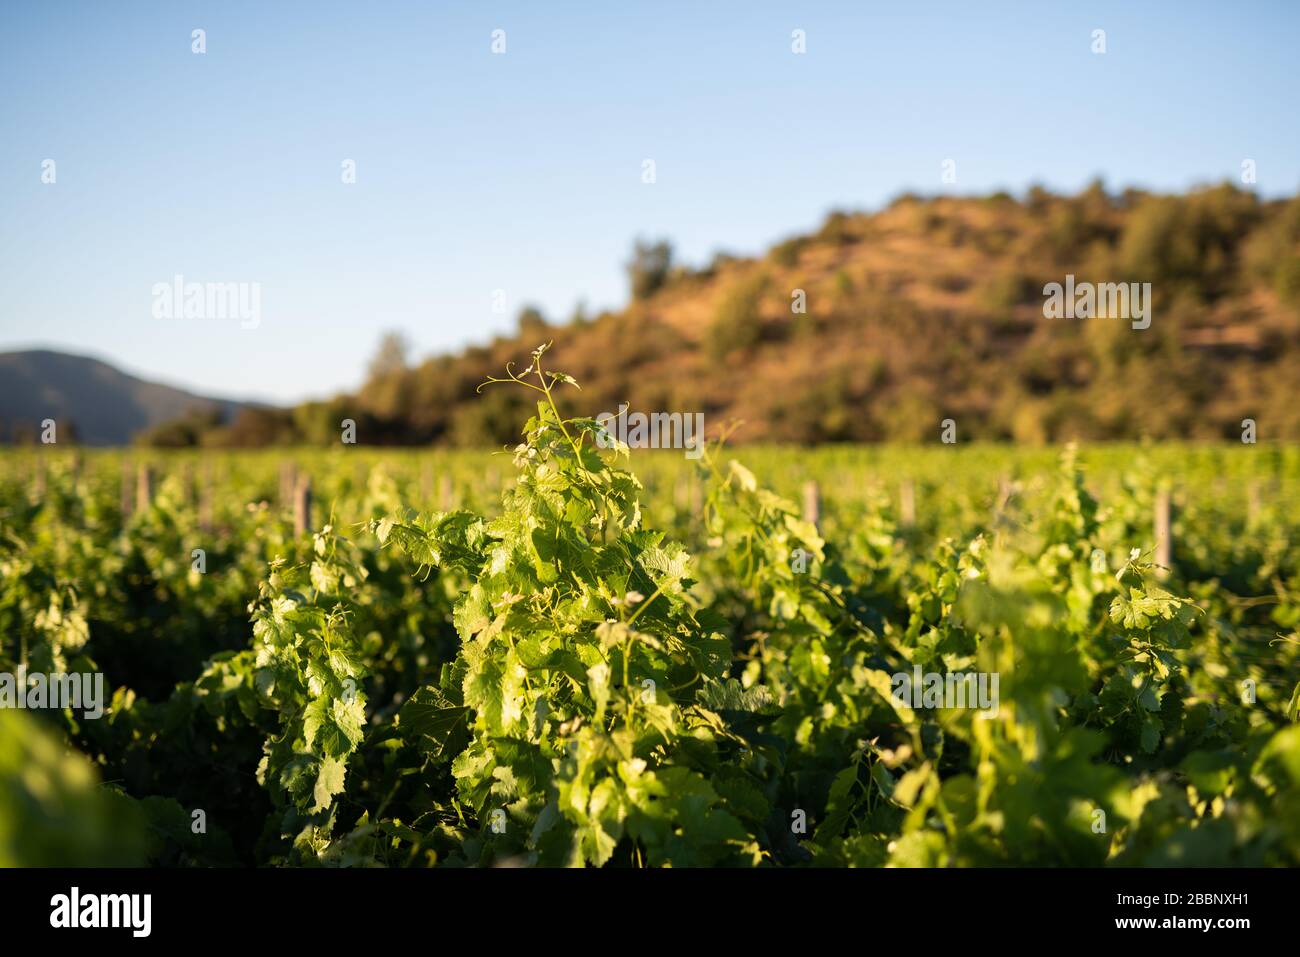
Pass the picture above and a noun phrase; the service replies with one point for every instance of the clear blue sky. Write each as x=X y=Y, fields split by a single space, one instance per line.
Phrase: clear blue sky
x=522 y=172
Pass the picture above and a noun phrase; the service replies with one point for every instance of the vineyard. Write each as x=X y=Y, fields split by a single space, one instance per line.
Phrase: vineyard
x=565 y=655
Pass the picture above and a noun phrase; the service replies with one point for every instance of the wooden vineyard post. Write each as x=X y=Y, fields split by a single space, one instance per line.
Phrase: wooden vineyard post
x=288 y=483
x=1004 y=491
x=206 y=522
x=446 y=495
x=812 y=504
x=302 y=505
x=1163 y=532
x=128 y=489
x=426 y=483
x=143 y=487
x=1253 y=502
x=38 y=478
x=906 y=504
x=187 y=482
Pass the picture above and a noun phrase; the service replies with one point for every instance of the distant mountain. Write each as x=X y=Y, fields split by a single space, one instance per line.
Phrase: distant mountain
x=101 y=405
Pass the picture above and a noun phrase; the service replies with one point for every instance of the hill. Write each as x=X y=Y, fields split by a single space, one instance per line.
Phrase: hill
x=92 y=402
x=880 y=325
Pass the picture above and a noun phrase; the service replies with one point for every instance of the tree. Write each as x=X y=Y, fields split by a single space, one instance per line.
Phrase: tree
x=258 y=427
x=184 y=431
x=532 y=324
x=391 y=355
x=649 y=267
x=738 y=322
